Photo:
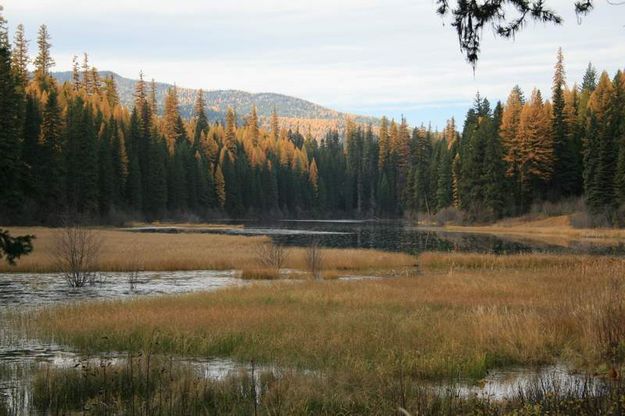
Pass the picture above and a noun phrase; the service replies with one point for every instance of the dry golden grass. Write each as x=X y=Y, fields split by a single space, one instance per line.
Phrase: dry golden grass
x=460 y=316
x=123 y=250
x=554 y=230
x=260 y=274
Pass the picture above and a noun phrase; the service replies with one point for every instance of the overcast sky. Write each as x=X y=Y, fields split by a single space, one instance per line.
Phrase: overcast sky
x=377 y=57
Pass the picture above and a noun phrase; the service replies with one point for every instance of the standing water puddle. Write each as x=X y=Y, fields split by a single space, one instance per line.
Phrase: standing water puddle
x=21 y=355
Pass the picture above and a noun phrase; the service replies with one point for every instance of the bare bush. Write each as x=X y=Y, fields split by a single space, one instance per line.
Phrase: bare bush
x=314 y=259
x=76 y=252
x=272 y=255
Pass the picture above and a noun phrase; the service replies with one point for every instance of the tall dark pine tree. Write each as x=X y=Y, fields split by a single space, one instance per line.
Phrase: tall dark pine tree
x=600 y=151
x=564 y=180
x=10 y=105
x=43 y=62
x=20 y=58
x=50 y=172
x=81 y=153
x=201 y=121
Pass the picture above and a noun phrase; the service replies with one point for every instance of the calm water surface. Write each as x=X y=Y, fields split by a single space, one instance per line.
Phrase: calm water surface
x=391 y=236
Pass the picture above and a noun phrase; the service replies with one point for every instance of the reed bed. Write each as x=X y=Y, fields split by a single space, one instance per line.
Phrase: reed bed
x=448 y=321
x=152 y=385
x=128 y=251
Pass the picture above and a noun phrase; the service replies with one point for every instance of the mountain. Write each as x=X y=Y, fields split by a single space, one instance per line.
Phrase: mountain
x=292 y=112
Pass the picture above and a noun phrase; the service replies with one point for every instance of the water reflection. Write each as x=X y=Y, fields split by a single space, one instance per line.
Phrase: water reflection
x=21 y=355
x=390 y=236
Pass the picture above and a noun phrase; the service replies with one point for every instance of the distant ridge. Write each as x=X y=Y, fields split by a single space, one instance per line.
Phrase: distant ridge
x=293 y=112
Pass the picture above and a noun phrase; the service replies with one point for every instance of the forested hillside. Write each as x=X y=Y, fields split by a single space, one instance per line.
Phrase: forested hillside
x=292 y=112
x=75 y=147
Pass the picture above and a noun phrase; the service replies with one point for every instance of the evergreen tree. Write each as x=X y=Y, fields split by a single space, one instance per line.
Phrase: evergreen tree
x=220 y=187
x=50 y=172
x=444 y=187
x=10 y=106
x=564 y=179
x=201 y=121
x=19 y=58
x=43 y=62
x=600 y=149
x=230 y=137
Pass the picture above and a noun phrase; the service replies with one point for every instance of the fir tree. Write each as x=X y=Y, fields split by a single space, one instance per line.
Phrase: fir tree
x=19 y=58
x=201 y=121
x=10 y=106
x=564 y=179
x=220 y=187
x=43 y=62
x=50 y=171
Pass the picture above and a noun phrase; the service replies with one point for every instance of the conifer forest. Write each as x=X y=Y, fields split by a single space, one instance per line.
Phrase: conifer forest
x=73 y=148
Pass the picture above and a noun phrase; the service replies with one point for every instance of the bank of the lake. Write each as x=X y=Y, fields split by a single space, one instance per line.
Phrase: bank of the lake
x=123 y=250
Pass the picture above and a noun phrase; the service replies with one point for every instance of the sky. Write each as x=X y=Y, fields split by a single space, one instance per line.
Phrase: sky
x=372 y=57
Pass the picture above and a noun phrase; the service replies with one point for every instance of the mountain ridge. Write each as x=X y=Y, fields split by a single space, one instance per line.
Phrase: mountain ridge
x=292 y=111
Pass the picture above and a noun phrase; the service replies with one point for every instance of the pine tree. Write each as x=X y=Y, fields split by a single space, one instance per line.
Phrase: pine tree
x=589 y=82
x=153 y=102
x=43 y=62
x=600 y=149
x=10 y=129
x=201 y=121
x=220 y=187
x=75 y=74
x=110 y=91
x=106 y=173
x=444 y=186
x=157 y=194
x=617 y=121
x=81 y=158
x=87 y=81
x=49 y=168
x=230 y=137
x=19 y=58
x=564 y=179
x=575 y=132
x=383 y=143
x=119 y=161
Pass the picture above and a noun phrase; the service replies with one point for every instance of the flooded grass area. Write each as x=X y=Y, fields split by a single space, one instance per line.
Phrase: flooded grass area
x=439 y=333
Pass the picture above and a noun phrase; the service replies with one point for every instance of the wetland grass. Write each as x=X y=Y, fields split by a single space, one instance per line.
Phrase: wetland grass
x=459 y=318
x=123 y=251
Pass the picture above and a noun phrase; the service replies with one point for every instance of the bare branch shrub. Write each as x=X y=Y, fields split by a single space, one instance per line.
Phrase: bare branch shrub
x=272 y=255
x=314 y=259
x=76 y=252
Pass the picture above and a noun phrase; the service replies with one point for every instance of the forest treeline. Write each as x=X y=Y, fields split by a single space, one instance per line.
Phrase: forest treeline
x=73 y=148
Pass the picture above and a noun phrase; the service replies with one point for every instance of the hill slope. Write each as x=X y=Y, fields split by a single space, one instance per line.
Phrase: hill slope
x=292 y=111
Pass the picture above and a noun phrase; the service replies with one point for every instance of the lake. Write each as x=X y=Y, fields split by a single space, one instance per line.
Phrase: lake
x=392 y=235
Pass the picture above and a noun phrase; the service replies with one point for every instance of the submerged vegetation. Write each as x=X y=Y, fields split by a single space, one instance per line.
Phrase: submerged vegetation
x=153 y=385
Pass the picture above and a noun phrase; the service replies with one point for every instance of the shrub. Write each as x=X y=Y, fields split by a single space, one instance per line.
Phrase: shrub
x=260 y=274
